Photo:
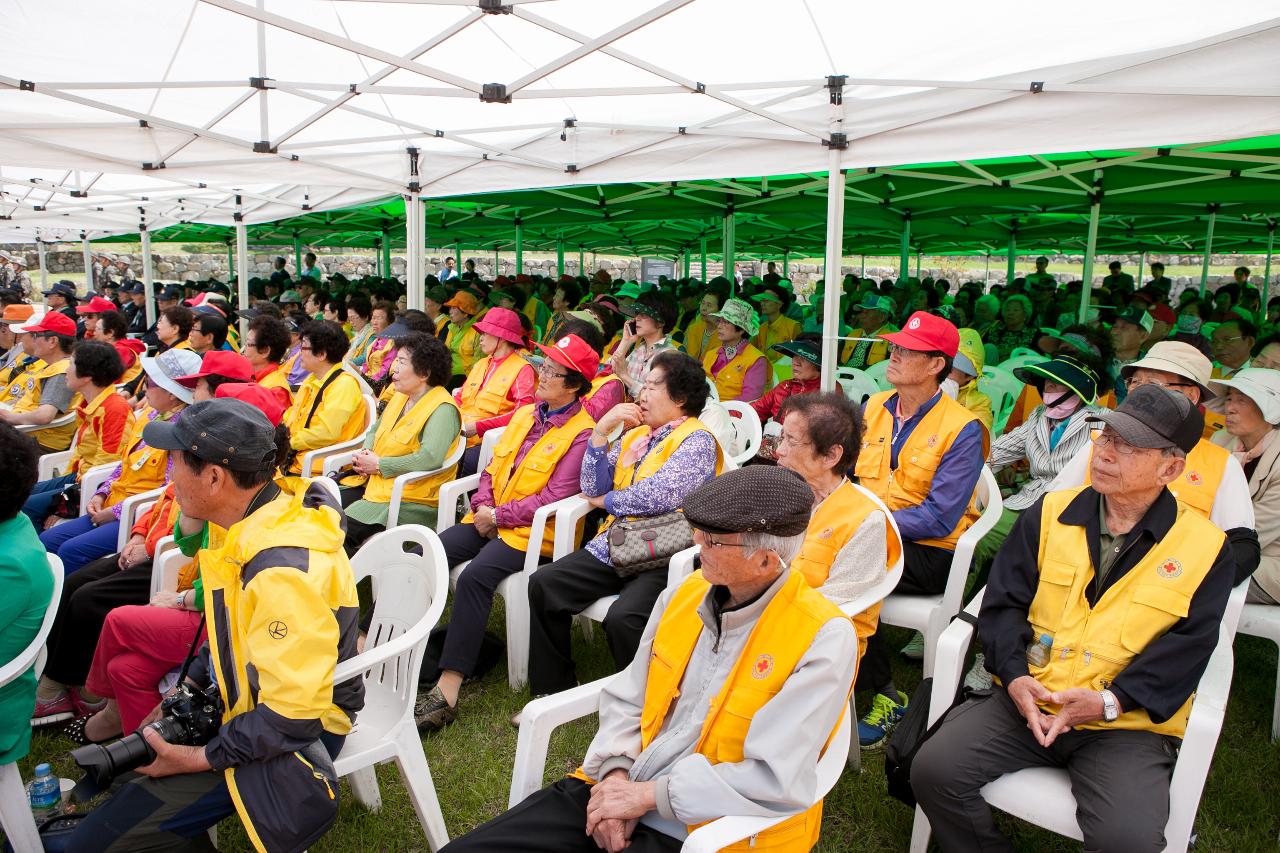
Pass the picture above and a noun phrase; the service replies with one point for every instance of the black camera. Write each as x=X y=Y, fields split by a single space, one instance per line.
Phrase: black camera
x=190 y=717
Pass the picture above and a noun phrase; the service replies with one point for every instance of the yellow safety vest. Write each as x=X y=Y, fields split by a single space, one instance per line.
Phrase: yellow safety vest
x=918 y=458
x=784 y=632
x=776 y=331
x=92 y=418
x=55 y=438
x=400 y=435
x=830 y=528
x=1092 y=645
x=698 y=338
x=1198 y=485
x=343 y=393
x=510 y=483
x=15 y=379
x=625 y=475
x=730 y=379
x=479 y=400
x=464 y=346
x=142 y=468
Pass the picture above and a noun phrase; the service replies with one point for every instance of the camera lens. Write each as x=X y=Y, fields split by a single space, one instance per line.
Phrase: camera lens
x=104 y=762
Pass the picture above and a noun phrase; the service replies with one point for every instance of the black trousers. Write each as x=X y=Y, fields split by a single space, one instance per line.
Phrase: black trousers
x=357 y=531
x=567 y=587
x=924 y=572
x=553 y=820
x=88 y=595
x=1120 y=778
x=470 y=461
x=492 y=562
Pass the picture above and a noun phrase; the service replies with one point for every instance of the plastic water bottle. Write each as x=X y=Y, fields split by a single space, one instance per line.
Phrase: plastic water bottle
x=45 y=793
x=1038 y=652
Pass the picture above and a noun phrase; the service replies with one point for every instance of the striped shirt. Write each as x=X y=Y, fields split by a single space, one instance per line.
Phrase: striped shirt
x=1030 y=441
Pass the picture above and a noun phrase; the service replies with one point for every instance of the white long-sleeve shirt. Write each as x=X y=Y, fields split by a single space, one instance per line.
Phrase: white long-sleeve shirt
x=778 y=773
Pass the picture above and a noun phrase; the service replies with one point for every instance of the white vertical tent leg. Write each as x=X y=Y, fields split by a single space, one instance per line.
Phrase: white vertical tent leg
x=148 y=279
x=88 y=262
x=496 y=258
x=1208 y=248
x=519 y=246
x=1266 y=275
x=242 y=266
x=1012 y=255
x=415 y=239
x=862 y=267
x=727 y=251
x=1142 y=264
x=1091 y=245
x=834 y=286
x=904 y=252
x=44 y=268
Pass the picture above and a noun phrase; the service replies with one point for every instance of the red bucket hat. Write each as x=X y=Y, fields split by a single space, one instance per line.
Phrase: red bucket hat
x=232 y=365
x=265 y=399
x=97 y=305
x=502 y=323
x=926 y=332
x=574 y=353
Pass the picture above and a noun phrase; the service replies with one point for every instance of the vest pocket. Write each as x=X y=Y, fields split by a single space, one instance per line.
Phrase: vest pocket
x=1153 y=611
x=870 y=457
x=1045 y=613
x=729 y=729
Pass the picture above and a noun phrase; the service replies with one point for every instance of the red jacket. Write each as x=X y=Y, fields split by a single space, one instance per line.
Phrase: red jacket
x=768 y=405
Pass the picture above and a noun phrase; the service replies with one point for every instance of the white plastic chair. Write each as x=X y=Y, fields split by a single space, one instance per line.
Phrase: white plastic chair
x=877 y=374
x=131 y=509
x=542 y=716
x=90 y=481
x=166 y=563
x=365 y=387
x=1003 y=388
x=678 y=568
x=1021 y=357
x=54 y=464
x=319 y=455
x=409 y=592
x=714 y=392
x=335 y=463
x=15 y=808
x=930 y=614
x=747 y=428
x=1263 y=620
x=59 y=421
x=857 y=385
x=1053 y=806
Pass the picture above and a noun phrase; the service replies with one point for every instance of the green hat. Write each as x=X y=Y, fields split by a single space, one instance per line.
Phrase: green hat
x=741 y=314
x=630 y=290
x=1064 y=370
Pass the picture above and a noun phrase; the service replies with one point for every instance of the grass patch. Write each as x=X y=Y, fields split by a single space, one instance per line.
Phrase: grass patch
x=471 y=764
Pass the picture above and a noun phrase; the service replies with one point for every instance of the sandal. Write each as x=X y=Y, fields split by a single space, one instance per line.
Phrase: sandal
x=76 y=732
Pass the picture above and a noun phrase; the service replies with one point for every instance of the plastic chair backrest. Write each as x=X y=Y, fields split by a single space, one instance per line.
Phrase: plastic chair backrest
x=365 y=387
x=877 y=374
x=714 y=392
x=746 y=427
x=32 y=655
x=1003 y=388
x=858 y=385
x=487 y=444
x=875 y=594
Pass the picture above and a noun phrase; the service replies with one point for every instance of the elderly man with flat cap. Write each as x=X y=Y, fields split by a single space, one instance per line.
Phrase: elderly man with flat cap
x=1098 y=621
x=741 y=676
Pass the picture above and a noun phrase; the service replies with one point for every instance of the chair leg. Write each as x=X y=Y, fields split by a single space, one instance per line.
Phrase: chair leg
x=854 y=760
x=517 y=608
x=1275 y=710
x=588 y=627
x=412 y=761
x=920 y=832
x=15 y=812
x=364 y=785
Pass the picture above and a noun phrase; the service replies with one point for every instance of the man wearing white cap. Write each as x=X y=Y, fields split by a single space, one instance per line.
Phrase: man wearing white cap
x=1213 y=483
x=1251 y=403
x=18 y=278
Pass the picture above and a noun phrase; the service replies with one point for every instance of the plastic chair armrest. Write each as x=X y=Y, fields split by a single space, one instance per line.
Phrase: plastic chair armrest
x=336 y=462
x=569 y=512
x=681 y=565
x=447 y=513
x=537 y=721
x=720 y=833
x=948 y=666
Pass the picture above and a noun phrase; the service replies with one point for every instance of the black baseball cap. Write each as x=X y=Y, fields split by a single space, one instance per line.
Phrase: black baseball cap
x=230 y=433
x=1156 y=418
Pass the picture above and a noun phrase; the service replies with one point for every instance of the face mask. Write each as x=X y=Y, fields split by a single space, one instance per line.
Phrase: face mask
x=1062 y=407
x=1189 y=323
x=951 y=388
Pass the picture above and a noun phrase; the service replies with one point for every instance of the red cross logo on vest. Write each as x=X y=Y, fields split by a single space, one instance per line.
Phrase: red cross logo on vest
x=763 y=666
x=1194 y=478
x=1169 y=569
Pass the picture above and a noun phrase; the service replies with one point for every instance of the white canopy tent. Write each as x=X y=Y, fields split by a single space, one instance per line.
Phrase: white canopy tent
x=250 y=111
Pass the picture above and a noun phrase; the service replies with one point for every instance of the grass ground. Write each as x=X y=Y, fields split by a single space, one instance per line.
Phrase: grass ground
x=471 y=764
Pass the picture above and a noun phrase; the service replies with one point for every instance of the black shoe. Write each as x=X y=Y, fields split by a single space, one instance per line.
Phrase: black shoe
x=432 y=713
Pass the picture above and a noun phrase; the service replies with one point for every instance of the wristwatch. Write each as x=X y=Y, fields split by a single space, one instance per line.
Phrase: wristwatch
x=1110 y=707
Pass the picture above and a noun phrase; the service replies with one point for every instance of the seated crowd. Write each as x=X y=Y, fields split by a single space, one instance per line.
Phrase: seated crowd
x=1133 y=453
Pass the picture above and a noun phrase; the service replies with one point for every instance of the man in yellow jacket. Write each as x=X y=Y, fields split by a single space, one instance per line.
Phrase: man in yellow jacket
x=281 y=609
x=1101 y=613
x=741 y=677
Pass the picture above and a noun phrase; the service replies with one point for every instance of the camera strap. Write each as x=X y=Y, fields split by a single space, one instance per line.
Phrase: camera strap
x=191 y=652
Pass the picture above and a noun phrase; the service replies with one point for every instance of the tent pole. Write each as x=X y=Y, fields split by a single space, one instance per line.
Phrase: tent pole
x=457 y=257
x=88 y=262
x=582 y=261
x=386 y=254
x=1012 y=255
x=786 y=264
x=1208 y=248
x=1091 y=245
x=863 y=267
x=704 y=258
x=242 y=265
x=297 y=254
x=415 y=239
x=986 y=273
x=44 y=270
x=904 y=252
x=727 y=258
x=495 y=261
x=519 y=247
x=231 y=261
x=918 y=254
x=147 y=273
x=1142 y=264
x=1266 y=275
x=560 y=257
x=688 y=261
x=834 y=288
x=377 y=257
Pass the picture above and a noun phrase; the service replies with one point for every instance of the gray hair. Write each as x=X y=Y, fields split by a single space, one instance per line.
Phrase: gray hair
x=786 y=547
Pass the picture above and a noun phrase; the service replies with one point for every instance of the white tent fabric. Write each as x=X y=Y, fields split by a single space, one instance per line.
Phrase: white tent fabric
x=158 y=110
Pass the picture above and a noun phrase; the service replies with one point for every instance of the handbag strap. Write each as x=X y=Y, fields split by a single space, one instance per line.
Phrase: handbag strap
x=315 y=404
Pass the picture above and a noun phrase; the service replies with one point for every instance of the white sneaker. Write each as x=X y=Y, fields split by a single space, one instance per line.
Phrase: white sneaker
x=977 y=678
x=915 y=648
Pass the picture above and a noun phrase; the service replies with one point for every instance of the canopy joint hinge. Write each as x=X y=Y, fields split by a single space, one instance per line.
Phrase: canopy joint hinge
x=259 y=83
x=1037 y=87
x=493 y=7
x=142 y=122
x=571 y=168
x=700 y=88
x=495 y=93
x=79 y=194
x=263 y=147
x=26 y=85
x=151 y=167
x=837 y=142
x=835 y=85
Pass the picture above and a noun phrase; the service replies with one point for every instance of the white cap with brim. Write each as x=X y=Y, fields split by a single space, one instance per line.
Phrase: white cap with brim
x=1180 y=359
x=21 y=327
x=1259 y=384
x=166 y=367
x=963 y=364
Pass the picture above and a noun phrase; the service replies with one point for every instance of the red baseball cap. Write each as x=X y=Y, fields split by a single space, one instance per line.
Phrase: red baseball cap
x=232 y=365
x=574 y=353
x=54 y=322
x=263 y=399
x=97 y=305
x=1164 y=314
x=925 y=332
x=129 y=350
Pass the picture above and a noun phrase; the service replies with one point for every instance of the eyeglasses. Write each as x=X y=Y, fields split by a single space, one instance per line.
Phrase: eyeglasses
x=707 y=542
x=791 y=441
x=902 y=352
x=545 y=370
x=1222 y=342
x=1123 y=447
x=1133 y=382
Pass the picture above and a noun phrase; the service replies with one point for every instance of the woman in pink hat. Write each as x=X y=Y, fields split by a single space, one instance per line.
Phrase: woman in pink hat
x=499 y=383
